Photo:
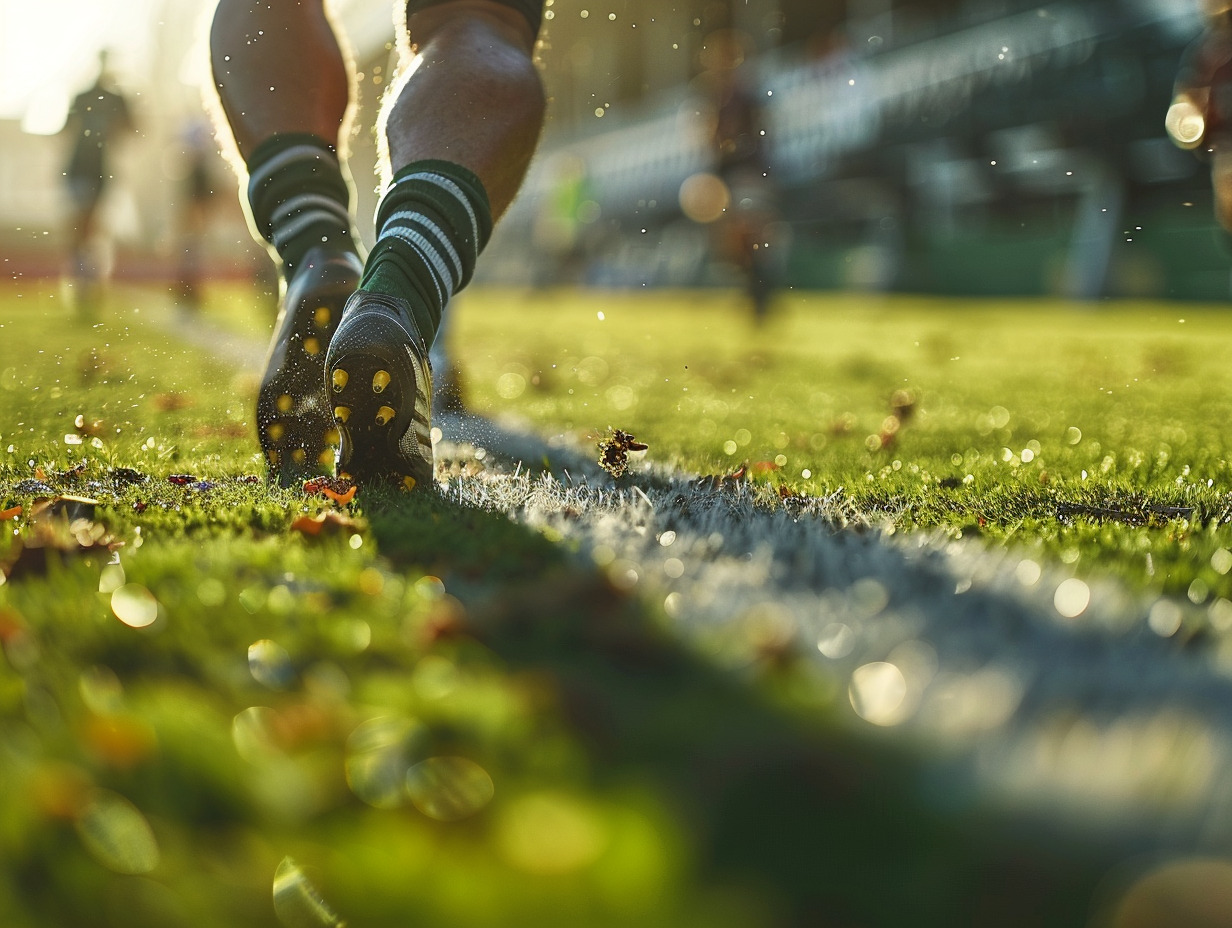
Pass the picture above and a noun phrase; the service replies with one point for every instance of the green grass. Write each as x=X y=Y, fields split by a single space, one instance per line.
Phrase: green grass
x=1091 y=434
x=269 y=689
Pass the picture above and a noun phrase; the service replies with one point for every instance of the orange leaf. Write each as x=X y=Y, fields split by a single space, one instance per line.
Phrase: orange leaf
x=339 y=489
x=325 y=522
x=7 y=514
x=306 y=525
x=341 y=498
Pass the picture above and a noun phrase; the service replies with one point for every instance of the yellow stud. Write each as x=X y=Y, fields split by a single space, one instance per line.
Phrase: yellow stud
x=380 y=380
x=340 y=378
x=299 y=455
x=332 y=437
x=342 y=413
x=322 y=316
x=276 y=431
x=384 y=415
x=325 y=458
x=285 y=403
x=312 y=346
x=409 y=483
x=274 y=458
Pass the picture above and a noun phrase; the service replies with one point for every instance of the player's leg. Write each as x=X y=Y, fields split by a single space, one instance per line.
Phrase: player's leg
x=469 y=92
x=283 y=83
x=84 y=250
x=459 y=129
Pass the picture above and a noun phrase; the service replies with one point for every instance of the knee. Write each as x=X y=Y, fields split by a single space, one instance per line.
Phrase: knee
x=521 y=19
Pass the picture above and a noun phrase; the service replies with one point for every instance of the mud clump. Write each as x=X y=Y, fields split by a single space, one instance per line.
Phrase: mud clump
x=614 y=450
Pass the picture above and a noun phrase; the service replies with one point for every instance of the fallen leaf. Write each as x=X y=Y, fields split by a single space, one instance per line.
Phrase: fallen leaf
x=8 y=514
x=339 y=489
x=324 y=524
x=340 y=498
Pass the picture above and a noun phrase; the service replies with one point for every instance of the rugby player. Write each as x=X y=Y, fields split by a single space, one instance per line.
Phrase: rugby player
x=457 y=129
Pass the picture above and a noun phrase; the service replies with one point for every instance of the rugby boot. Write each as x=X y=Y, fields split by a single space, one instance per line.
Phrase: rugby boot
x=380 y=385
x=294 y=423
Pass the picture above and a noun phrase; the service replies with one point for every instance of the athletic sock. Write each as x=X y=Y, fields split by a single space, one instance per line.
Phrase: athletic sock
x=431 y=225
x=299 y=197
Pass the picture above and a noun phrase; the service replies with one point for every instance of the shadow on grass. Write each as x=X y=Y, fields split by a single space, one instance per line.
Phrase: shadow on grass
x=792 y=819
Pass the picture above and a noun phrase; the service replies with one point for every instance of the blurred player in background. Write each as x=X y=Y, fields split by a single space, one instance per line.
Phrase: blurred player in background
x=1200 y=117
x=195 y=203
x=349 y=357
x=742 y=162
x=96 y=118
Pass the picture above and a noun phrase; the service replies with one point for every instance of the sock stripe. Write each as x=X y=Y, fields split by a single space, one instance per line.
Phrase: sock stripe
x=299 y=197
x=284 y=236
x=433 y=221
x=444 y=182
x=437 y=273
x=295 y=153
x=299 y=204
x=436 y=262
x=438 y=236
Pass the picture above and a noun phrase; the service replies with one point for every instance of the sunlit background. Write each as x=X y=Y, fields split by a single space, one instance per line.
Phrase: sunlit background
x=49 y=52
x=971 y=147
x=915 y=145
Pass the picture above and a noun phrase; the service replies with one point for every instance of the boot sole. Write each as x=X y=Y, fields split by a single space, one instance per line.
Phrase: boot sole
x=294 y=424
x=379 y=408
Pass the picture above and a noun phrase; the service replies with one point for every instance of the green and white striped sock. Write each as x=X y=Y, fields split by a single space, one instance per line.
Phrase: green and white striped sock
x=299 y=197
x=431 y=226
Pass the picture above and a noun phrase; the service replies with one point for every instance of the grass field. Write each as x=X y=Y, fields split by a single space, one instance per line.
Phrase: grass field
x=407 y=711
x=1093 y=434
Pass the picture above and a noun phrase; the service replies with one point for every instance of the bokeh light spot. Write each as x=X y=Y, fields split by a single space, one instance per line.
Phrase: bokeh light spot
x=1165 y=618
x=270 y=664
x=117 y=835
x=379 y=753
x=836 y=641
x=1196 y=893
x=134 y=605
x=550 y=833
x=1072 y=598
x=252 y=732
x=449 y=789
x=878 y=693
x=704 y=197
x=297 y=902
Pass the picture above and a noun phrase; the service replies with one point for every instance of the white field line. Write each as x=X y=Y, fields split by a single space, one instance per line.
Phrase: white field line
x=958 y=650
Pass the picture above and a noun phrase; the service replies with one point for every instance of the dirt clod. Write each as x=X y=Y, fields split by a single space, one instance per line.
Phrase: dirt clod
x=614 y=450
